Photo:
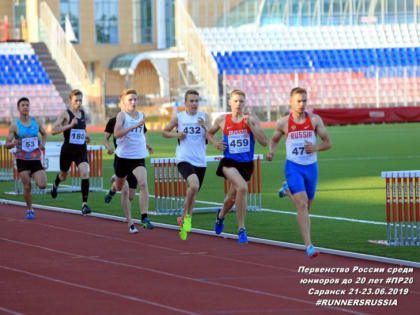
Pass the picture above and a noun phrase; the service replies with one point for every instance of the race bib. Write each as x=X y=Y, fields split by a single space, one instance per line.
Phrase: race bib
x=29 y=144
x=239 y=143
x=298 y=149
x=77 y=136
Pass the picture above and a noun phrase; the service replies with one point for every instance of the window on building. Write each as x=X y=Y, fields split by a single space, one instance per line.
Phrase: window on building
x=142 y=21
x=106 y=21
x=19 y=10
x=70 y=11
x=170 y=22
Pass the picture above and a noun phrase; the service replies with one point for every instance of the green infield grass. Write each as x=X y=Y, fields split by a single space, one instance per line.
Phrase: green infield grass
x=349 y=187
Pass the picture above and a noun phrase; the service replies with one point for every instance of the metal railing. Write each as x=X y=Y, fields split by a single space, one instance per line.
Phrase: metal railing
x=63 y=52
x=203 y=63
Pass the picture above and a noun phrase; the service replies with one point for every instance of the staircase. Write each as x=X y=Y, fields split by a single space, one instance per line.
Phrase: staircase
x=54 y=73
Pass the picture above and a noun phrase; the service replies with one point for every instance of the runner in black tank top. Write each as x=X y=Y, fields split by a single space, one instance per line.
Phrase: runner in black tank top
x=72 y=123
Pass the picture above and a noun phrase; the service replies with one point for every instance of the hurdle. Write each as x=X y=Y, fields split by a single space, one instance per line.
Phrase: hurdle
x=170 y=188
x=402 y=207
x=96 y=170
x=6 y=163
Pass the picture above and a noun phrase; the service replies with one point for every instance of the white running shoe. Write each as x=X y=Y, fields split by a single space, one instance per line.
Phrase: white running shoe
x=133 y=229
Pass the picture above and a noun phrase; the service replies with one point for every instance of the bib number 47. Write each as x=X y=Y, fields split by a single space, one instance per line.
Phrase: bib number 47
x=298 y=150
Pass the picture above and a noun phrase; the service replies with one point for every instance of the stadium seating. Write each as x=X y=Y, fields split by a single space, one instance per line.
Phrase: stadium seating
x=359 y=65
x=21 y=74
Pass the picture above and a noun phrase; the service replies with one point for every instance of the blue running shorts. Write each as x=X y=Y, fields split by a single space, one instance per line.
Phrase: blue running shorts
x=301 y=178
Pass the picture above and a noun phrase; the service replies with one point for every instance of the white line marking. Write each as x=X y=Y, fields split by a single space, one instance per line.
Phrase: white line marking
x=72 y=284
x=9 y=311
x=232 y=236
x=160 y=272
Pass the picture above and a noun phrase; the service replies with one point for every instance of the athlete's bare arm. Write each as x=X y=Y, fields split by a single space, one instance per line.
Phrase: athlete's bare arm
x=219 y=124
x=321 y=131
x=255 y=125
x=278 y=133
x=43 y=134
x=167 y=131
x=108 y=146
x=11 y=142
x=62 y=123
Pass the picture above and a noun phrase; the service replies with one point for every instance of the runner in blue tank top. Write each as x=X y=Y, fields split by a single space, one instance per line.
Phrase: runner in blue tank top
x=29 y=150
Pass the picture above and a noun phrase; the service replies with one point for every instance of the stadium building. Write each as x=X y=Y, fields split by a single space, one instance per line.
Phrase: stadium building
x=349 y=54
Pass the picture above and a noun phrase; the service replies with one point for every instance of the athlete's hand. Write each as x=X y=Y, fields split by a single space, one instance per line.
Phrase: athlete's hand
x=309 y=147
x=182 y=135
x=140 y=123
x=110 y=150
x=248 y=119
x=149 y=148
x=270 y=156
x=201 y=123
x=73 y=122
x=87 y=139
x=42 y=147
x=14 y=143
x=220 y=145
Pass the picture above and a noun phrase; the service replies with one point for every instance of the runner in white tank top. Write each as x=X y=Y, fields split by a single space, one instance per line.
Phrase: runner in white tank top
x=132 y=149
x=192 y=149
x=191 y=129
x=133 y=144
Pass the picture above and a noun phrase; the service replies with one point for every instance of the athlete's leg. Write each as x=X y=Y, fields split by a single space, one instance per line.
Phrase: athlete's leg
x=125 y=203
x=84 y=176
x=193 y=186
x=302 y=203
x=241 y=188
x=40 y=178
x=26 y=182
x=140 y=173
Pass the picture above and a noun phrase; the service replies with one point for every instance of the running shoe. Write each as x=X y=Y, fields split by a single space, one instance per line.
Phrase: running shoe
x=187 y=223
x=219 y=225
x=183 y=234
x=242 y=239
x=147 y=224
x=132 y=229
x=108 y=197
x=30 y=214
x=53 y=192
x=283 y=190
x=311 y=251
x=86 y=209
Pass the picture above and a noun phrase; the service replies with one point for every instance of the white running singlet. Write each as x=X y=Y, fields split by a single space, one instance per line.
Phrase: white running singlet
x=133 y=144
x=193 y=148
x=297 y=134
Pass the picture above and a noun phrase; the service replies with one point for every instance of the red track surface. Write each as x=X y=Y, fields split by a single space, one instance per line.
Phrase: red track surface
x=69 y=264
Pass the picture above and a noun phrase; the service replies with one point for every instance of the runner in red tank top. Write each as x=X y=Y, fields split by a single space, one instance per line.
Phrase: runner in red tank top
x=237 y=163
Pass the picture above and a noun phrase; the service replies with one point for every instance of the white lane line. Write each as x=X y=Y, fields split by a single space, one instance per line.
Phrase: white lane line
x=72 y=284
x=168 y=274
x=9 y=311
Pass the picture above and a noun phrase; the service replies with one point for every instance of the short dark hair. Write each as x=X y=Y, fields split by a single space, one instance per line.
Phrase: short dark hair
x=22 y=99
x=74 y=93
x=191 y=92
x=298 y=90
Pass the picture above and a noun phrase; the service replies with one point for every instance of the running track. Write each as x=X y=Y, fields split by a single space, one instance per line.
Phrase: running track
x=69 y=264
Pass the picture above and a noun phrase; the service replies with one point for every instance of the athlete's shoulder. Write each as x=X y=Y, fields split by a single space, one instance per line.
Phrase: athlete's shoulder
x=315 y=119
